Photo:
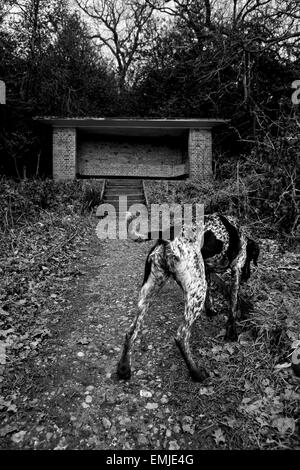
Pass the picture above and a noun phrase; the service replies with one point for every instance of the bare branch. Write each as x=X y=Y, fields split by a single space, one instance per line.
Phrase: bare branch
x=120 y=27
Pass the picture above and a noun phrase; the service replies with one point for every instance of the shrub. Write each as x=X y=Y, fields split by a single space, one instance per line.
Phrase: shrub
x=23 y=201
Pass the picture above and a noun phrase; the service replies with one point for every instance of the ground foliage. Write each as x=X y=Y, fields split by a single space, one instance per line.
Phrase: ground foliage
x=262 y=195
x=41 y=227
x=66 y=300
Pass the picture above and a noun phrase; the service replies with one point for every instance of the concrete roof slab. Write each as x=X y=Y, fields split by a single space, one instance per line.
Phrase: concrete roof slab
x=98 y=124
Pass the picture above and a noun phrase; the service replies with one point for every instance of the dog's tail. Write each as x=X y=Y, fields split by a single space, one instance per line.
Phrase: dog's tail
x=140 y=237
x=131 y=231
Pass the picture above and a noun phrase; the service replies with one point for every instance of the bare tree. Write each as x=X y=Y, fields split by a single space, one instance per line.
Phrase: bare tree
x=6 y=7
x=279 y=18
x=118 y=26
x=231 y=37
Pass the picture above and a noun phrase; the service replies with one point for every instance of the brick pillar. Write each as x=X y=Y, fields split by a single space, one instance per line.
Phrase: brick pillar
x=200 y=154
x=2 y=92
x=64 y=153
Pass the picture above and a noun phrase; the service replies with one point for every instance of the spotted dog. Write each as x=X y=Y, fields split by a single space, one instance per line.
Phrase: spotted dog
x=226 y=245
x=192 y=263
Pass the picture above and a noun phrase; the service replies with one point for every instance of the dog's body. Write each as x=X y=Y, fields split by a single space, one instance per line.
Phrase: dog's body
x=192 y=263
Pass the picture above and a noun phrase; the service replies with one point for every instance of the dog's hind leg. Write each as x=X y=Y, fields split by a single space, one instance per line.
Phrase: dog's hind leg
x=190 y=274
x=197 y=373
x=209 y=305
x=156 y=278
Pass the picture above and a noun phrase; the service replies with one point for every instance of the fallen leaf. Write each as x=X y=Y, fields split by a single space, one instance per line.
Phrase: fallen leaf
x=231 y=422
x=151 y=406
x=229 y=348
x=173 y=445
x=83 y=341
x=216 y=349
x=251 y=408
x=62 y=445
x=18 y=437
x=269 y=391
x=106 y=423
x=244 y=339
x=145 y=394
x=187 y=419
x=188 y=428
x=295 y=344
x=3 y=312
x=8 y=429
x=219 y=436
x=4 y=333
x=284 y=425
x=206 y=391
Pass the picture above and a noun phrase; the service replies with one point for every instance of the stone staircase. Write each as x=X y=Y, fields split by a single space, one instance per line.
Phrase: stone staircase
x=131 y=188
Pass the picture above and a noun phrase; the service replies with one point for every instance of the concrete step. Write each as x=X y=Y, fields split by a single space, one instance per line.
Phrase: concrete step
x=124 y=183
x=123 y=191
x=128 y=196
x=132 y=189
x=123 y=180
x=120 y=186
x=123 y=208
x=116 y=203
x=121 y=213
x=124 y=188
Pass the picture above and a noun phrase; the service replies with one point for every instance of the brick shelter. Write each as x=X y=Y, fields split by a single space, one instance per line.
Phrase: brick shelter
x=142 y=148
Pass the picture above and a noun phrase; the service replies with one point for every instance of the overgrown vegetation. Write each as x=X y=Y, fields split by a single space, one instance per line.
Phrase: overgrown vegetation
x=28 y=201
x=41 y=232
x=268 y=407
x=262 y=195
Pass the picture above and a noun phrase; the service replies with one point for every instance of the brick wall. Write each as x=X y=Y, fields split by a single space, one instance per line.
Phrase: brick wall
x=64 y=154
x=200 y=153
x=130 y=156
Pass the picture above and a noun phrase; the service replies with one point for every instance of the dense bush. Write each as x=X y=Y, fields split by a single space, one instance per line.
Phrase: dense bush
x=261 y=196
x=24 y=201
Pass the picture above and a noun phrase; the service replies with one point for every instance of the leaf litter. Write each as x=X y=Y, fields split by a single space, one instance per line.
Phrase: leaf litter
x=252 y=392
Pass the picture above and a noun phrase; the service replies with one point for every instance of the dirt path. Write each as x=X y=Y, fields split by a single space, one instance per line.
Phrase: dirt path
x=74 y=400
